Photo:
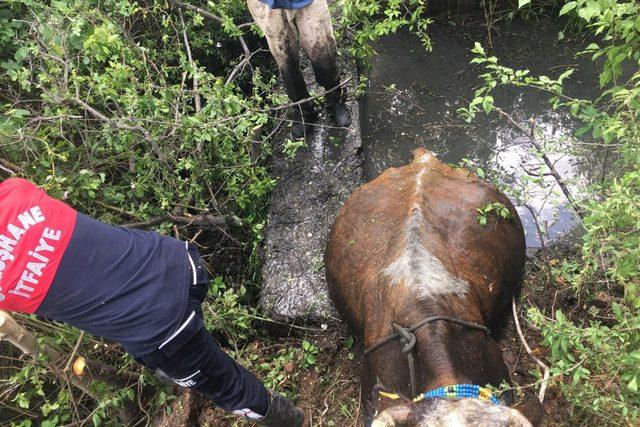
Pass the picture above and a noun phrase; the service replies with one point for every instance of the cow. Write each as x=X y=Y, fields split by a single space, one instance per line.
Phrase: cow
x=424 y=286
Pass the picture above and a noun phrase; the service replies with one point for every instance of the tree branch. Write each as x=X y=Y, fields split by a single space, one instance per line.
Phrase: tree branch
x=236 y=70
x=199 y=220
x=213 y=17
x=84 y=372
x=27 y=344
x=74 y=352
x=547 y=161
x=119 y=125
x=196 y=94
x=302 y=101
x=9 y=167
x=540 y=363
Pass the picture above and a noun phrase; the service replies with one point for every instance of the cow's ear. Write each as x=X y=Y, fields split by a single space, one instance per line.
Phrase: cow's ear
x=391 y=409
x=532 y=410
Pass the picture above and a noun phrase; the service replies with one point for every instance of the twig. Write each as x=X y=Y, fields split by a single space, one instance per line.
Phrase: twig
x=302 y=101
x=71 y=397
x=74 y=352
x=536 y=223
x=11 y=331
x=140 y=405
x=205 y=219
x=532 y=173
x=193 y=239
x=194 y=70
x=117 y=209
x=236 y=70
x=213 y=17
x=9 y=167
x=540 y=363
x=547 y=161
x=118 y=125
x=52 y=118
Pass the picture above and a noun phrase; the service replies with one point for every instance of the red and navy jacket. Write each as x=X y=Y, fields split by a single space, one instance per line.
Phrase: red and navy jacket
x=129 y=286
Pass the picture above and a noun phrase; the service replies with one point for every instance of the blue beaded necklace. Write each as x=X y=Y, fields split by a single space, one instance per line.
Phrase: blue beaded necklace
x=460 y=391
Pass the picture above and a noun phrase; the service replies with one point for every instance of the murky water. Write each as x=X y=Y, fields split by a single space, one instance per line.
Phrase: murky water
x=413 y=96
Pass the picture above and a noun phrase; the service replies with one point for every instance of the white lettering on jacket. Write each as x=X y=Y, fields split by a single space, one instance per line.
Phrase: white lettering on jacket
x=16 y=230
x=37 y=262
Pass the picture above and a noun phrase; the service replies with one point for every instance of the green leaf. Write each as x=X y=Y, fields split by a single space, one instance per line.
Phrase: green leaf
x=590 y=10
x=567 y=8
x=21 y=53
x=477 y=48
x=633 y=385
x=522 y=3
x=18 y=113
x=22 y=400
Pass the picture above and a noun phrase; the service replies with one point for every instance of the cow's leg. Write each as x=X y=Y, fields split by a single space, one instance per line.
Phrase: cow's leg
x=368 y=381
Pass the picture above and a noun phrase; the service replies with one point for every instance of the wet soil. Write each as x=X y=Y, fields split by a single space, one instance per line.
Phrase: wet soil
x=312 y=186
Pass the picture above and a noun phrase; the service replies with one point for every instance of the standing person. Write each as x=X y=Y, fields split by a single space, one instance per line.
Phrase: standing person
x=134 y=287
x=287 y=24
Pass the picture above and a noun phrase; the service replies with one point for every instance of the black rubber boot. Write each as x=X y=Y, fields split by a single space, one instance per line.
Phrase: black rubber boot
x=338 y=110
x=281 y=413
x=304 y=116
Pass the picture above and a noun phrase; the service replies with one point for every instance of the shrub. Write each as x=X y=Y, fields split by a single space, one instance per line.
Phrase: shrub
x=596 y=364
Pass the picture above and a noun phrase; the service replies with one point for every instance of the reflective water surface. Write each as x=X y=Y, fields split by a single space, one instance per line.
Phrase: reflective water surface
x=413 y=96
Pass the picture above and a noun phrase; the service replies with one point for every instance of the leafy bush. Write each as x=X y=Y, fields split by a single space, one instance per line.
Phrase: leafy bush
x=365 y=21
x=110 y=123
x=597 y=367
x=595 y=364
x=127 y=111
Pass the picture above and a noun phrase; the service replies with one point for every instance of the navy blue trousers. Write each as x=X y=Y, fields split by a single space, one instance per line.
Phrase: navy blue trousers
x=193 y=359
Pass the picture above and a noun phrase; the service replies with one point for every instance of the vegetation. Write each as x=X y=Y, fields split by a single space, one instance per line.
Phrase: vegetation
x=131 y=112
x=500 y=211
x=150 y=114
x=594 y=353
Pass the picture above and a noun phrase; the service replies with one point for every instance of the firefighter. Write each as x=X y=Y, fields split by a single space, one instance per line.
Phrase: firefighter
x=137 y=288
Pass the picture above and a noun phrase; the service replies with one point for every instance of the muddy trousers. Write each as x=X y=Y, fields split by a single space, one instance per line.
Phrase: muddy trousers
x=287 y=30
x=192 y=359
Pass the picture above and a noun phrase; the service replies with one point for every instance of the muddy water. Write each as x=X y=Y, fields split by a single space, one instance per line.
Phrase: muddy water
x=413 y=96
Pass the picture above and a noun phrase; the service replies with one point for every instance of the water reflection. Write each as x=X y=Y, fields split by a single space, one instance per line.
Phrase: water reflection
x=413 y=96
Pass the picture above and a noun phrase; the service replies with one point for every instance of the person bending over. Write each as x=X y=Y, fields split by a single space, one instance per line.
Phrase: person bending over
x=287 y=24
x=134 y=287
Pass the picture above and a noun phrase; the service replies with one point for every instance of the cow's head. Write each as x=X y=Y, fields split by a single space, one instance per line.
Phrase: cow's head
x=394 y=411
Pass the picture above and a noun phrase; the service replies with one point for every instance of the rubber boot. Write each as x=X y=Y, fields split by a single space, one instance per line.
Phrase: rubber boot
x=281 y=413
x=338 y=109
x=303 y=117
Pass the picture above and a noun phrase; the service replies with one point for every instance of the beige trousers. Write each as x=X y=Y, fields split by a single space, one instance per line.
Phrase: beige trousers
x=288 y=30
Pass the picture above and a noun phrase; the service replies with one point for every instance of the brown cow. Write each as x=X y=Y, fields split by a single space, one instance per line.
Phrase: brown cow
x=407 y=246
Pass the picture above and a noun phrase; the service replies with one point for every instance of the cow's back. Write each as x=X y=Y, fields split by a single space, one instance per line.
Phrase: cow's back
x=412 y=233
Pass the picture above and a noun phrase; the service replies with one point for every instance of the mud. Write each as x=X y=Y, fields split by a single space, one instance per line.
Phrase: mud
x=311 y=189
